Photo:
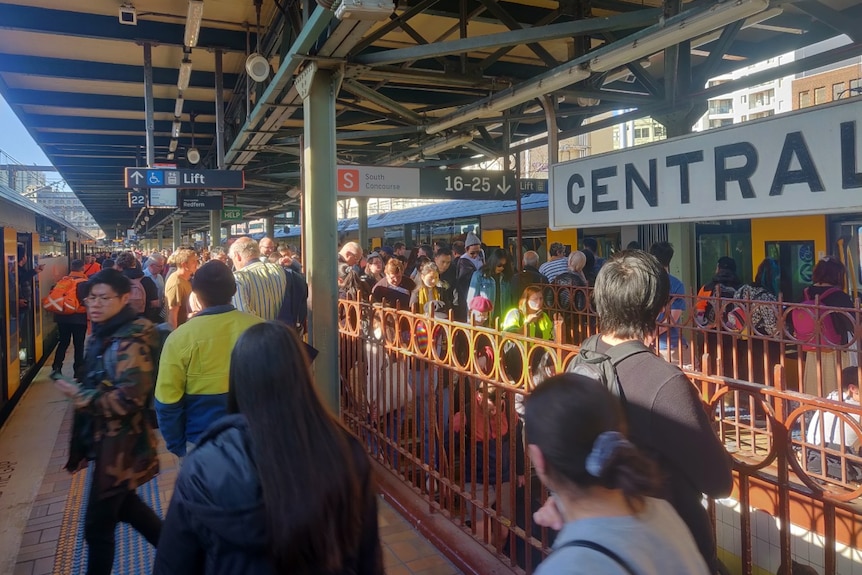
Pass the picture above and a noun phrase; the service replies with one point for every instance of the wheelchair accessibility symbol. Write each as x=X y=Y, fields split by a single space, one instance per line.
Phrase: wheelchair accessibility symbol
x=155 y=178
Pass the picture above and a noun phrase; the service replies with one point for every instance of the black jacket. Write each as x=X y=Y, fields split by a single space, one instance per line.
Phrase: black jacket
x=216 y=522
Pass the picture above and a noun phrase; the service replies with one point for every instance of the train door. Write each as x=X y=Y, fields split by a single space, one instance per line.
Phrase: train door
x=38 y=341
x=719 y=239
x=846 y=237
x=608 y=240
x=796 y=261
x=9 y=306
x=531 y=240
x=27 y=279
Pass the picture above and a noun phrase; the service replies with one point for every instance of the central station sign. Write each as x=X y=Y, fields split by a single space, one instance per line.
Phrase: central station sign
x=389 y=182
x=801 y=163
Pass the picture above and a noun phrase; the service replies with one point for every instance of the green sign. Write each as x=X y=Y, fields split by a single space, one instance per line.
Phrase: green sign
x=231 y=214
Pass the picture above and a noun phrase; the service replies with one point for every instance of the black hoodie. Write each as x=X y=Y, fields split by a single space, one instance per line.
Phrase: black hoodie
x=216 y=523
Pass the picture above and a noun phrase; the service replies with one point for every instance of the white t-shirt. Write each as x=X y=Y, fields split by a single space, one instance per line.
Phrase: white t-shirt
x=830 y=425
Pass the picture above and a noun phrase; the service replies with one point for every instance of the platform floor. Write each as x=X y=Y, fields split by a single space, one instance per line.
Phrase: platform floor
x=34 y=490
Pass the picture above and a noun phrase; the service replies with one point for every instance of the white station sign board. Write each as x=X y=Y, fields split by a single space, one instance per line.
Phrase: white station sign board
x=374 y=182
x=807 y=162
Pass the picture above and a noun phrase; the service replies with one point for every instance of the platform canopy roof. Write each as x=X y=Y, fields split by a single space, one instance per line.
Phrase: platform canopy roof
x=434 y=83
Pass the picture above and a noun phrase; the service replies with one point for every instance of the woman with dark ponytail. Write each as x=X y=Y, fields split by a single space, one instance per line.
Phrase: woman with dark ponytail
x=602 y=486
x=278 y=486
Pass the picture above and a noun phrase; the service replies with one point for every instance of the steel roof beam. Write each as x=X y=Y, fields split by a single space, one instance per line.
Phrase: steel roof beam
x=40 y=121
x=513 y=38
x=101 y=27
x=100 y=101
x=85 y=70
x=51 y=139
x=838 y=21
x=374 y=97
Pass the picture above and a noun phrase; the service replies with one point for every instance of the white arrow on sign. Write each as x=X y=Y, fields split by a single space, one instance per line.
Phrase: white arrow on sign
x=503 y=188
x=137 y=177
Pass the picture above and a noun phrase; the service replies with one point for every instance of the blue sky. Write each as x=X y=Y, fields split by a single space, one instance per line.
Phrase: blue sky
x=16 y=142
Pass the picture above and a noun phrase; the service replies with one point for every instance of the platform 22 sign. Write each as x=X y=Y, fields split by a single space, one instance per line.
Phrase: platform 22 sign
x=801 y=163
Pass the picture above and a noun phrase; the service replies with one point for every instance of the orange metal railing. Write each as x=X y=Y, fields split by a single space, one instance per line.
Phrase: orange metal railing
x=415 y=389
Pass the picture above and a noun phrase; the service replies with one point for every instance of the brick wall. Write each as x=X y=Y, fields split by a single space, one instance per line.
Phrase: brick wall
x=821 y=88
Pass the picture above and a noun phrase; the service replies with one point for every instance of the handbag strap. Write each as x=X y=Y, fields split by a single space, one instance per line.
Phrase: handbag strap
x=599 y=549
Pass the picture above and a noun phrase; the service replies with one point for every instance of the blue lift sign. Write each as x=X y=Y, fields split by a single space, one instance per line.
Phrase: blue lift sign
x=185 y=179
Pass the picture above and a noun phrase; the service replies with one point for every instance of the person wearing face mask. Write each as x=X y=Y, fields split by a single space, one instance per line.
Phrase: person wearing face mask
x=529 y=315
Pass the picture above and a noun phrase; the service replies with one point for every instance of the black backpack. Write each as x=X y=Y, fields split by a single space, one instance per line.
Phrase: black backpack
x=294 y=306
x=603 y=366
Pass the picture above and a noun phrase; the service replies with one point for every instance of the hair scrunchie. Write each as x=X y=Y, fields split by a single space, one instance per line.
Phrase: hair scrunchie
x=603 y=449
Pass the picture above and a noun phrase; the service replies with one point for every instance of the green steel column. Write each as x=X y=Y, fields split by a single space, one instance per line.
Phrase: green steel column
x=318 y=92
x=161 y=239
x=269 y=226
x=215 y=227
x=362 y=203
x=178 y=233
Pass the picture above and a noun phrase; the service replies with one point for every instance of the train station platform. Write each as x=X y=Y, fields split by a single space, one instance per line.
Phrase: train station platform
x=41 y=505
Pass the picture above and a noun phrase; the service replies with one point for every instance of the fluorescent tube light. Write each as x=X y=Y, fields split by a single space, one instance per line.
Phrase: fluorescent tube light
x=176 y=129
x=193 y=23
x=171 y=156
x=173 y=146
x=675 y=30
x=185 y=74
x=178 y=107
x=364 y=10
x=446 y=144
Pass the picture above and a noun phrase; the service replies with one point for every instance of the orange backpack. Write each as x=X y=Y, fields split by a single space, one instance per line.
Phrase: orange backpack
x=63 y=297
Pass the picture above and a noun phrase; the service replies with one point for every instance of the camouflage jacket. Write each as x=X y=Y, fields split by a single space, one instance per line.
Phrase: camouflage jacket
x=110 y=426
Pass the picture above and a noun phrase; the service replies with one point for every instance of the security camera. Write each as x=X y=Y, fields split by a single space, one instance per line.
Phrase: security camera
x=128 y=15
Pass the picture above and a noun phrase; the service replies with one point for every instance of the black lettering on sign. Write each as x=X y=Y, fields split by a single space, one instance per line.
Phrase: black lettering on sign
x=794 y=145
x=741 y=175
x=683 y=160
x=633 y=178
x=574 y=206
x=850 y=178
x=601 y=190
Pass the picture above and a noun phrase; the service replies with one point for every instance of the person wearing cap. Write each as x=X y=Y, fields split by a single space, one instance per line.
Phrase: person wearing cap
x=191 y=389
x=557 y=262
x=469 y=262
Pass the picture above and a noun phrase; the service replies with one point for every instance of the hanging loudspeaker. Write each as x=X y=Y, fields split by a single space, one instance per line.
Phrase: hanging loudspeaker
x=257 y=67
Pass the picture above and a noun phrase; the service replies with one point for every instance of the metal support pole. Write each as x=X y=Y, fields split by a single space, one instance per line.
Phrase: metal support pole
x=316 y=88
x=362 y=203
x=219 y=105
x=215 y=215
x=178 y=233
x=215 y=228
x=269 y=226
x=148 y=104
x=161 y=239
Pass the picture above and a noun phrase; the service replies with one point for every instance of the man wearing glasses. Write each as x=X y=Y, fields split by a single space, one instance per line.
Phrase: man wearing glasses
x=110 y=427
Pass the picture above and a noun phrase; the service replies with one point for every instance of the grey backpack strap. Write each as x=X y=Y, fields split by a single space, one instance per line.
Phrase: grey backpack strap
x=599 y=549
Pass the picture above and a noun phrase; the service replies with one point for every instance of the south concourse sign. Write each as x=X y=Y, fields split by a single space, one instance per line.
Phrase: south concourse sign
x=374 y=182
x=806 y=162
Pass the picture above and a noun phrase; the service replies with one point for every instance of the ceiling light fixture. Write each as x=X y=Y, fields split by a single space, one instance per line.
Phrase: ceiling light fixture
x=170 y=156
x=173 y=146
x=178 y=107
x=193 y=23
x=677 y=29
x=364 y=9
x=185 y=74
x=178 y=126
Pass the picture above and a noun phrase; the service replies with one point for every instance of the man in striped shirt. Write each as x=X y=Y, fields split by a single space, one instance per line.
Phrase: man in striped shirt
x=557 y=262
x=260 y=285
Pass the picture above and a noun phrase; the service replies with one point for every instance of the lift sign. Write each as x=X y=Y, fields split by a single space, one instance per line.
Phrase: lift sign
x=801 y=163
